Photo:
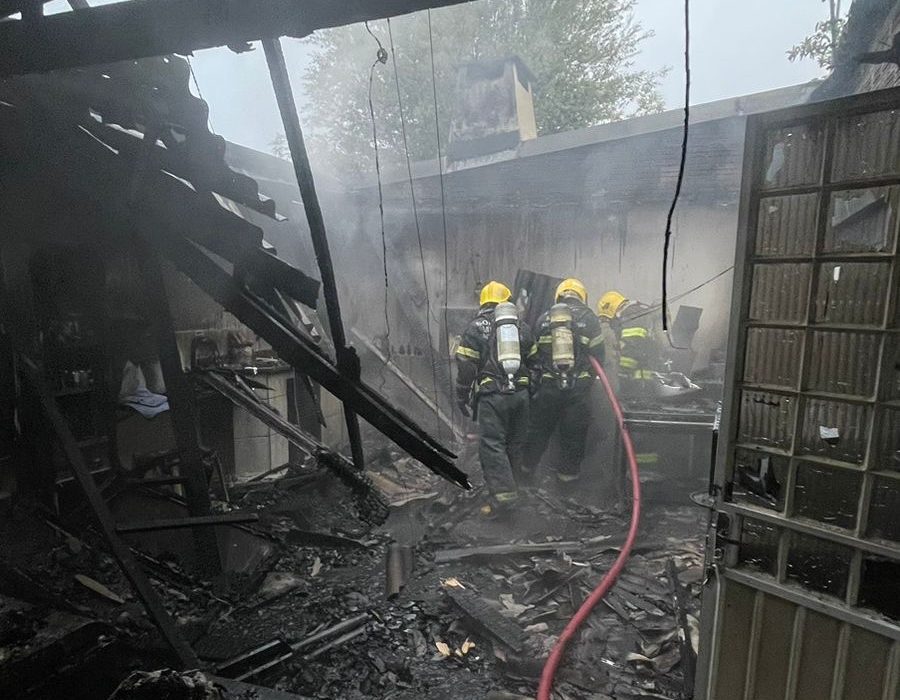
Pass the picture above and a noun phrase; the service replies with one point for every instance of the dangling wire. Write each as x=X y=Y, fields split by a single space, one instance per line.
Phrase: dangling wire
x=200 y=94
x=381 y=57
x=655 y=308
x=681 y=166
x=437 y=131
x=412 y=194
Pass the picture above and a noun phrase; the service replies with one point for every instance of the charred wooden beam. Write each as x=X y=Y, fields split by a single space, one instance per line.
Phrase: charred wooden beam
x=66 y=153
x=374 y=506
x=283 y=276
x=141 y=28
x=81 y=165
x=180 y=523
x=158 y=481
x=311 y=538
x=297 y=350
x=347 y=360
x=488 y=620
x=183 y=408
x=445 y=556
x=202 y=175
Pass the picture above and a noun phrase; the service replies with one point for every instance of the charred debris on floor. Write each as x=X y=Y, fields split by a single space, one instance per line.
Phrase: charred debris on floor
x=428 y=604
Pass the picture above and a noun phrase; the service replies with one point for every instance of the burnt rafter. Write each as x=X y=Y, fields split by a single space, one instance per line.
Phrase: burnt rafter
x=117 y=102
x=299 y=351
x=142 y=28
x=176 y=221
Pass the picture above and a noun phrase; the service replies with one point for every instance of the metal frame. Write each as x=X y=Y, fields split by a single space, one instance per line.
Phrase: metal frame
x=722 y=555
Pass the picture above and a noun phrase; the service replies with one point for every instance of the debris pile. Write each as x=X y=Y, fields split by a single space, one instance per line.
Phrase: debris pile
x=438 y=602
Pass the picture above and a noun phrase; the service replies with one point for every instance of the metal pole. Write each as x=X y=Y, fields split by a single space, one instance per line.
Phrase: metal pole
x=347 y=361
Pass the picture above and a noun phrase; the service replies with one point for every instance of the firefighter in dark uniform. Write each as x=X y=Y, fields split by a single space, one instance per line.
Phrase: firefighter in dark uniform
x=639 y=356
x=638 y=350
x=493 y=386
x=567 y=336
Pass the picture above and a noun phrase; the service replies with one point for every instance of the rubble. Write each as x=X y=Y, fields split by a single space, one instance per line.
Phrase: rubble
x=167 y=684
x=481 y=606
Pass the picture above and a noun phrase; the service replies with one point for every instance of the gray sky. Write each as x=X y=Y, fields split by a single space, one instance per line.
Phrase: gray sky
x=737 y=47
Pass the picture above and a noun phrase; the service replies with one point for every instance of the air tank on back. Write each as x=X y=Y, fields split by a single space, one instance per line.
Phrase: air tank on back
x=509 y=354
x=562 y=342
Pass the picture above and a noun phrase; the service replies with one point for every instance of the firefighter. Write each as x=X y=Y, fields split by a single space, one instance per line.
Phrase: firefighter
x=568 y=334
x=638 y=351
x=492 y=385
x=639 y=356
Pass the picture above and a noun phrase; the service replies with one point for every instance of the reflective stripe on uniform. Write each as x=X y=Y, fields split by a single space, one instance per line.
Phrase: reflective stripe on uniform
x=468 y=352
x=545 y=340
x=584 y=375
x=506 y=496
x=644 y=374
x=598 y=340
x=635 y=332
x=521 y=381
x=646 y=458
x=533 y=351
x=584 y=340
x=627 y=362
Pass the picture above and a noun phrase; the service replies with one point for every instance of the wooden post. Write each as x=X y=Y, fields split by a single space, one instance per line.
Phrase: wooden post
x=182 y=408
x=347 y=360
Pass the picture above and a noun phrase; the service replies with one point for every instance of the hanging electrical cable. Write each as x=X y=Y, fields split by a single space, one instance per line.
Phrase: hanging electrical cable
x=681 y=167
x=440 y=158
x=200 y=94
x=381 y=57
x=415 y=209
x=656 y=307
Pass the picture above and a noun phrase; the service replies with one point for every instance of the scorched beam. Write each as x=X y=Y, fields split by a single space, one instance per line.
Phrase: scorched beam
x=141 y=28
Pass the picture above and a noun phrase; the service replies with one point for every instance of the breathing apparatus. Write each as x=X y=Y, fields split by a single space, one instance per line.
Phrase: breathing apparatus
x=562 y=343
x=509 y=355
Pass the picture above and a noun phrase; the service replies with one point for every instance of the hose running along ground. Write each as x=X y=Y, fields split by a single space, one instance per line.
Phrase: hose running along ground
x=546 y=685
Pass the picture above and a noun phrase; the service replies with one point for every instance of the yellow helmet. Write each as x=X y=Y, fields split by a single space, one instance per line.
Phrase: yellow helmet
x=610 y=303
x=494 y=293
x=572 y=286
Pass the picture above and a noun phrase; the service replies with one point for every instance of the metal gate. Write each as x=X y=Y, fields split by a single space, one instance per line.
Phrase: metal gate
x=804 y=602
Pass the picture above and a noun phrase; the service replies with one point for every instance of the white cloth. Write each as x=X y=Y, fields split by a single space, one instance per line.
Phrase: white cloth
x=133 y=392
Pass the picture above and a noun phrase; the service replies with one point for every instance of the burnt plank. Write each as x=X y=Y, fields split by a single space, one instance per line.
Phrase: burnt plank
x=192 y=522
x=487 y=618
x=497 y=550
x=141 y=28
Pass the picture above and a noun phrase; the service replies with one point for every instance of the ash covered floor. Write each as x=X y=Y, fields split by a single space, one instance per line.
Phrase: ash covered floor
x=481 y=607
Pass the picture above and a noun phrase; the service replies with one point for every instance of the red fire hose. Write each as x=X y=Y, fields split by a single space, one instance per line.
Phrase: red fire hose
x=607 y=582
